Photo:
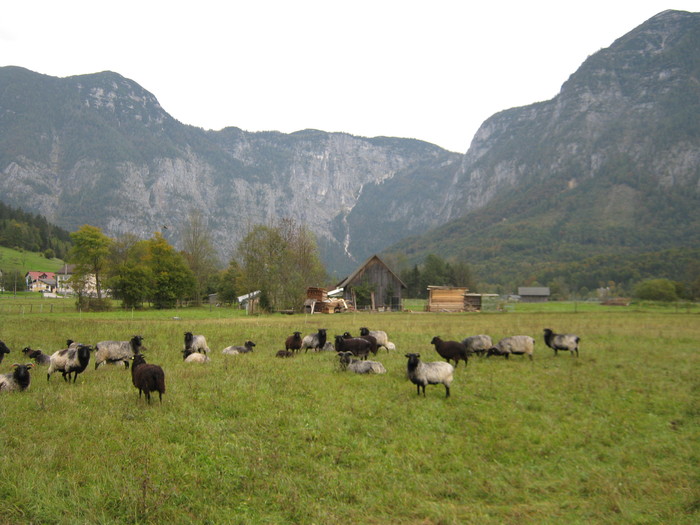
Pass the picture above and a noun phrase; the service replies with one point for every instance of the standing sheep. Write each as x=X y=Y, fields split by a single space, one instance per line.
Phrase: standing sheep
x=435 y=373
x=358 y=347
x=147 y=378
x=380 y=336
x=477 y=344
x=373 y=346
x=360 y=367
x=3 y=350
x=451 y=350
x=516 y=345
x=196 y=343
x=565 y=342
x=114 y=352
x=316 y=341
x=69 y=361
x=293 y=342
x=17 y=380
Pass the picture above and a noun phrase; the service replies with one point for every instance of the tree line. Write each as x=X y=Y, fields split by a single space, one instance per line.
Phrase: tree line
x=280 y=260
x=32 y=232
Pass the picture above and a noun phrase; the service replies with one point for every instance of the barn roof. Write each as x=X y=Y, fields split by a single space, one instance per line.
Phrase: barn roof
x=538 y=291
x=350 y=278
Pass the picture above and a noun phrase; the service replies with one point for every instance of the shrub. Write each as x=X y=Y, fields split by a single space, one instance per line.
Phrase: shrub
x=656 y=290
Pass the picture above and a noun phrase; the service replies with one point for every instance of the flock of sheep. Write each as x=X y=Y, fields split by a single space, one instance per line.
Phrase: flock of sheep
x=352 y=352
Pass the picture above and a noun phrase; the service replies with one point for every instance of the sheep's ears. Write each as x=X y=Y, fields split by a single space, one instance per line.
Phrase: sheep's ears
x=29 y=365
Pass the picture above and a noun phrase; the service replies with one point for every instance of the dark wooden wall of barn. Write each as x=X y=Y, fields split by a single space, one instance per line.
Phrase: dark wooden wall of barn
x=387 y=288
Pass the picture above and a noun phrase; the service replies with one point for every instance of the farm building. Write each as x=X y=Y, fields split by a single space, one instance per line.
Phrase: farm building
x=446 y=298
x=373 y=285
x=533 y=294
x=454 y=299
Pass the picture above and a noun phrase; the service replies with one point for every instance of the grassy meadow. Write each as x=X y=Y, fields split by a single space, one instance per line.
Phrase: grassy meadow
x=610 y=437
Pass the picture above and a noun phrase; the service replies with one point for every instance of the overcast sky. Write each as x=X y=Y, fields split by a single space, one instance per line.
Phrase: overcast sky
x=432 y=70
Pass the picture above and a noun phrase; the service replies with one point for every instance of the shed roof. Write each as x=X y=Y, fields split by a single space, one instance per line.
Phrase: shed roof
x=537 y=291
x=360 y=270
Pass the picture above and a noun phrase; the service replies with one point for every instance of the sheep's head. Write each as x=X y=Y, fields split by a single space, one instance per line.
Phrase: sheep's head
x=347 y=335
x=297 y=335
x=249 y=344
x=436 y=340
x=136 y=341
x=413 y=359
x=364 y=331
x=25 y=350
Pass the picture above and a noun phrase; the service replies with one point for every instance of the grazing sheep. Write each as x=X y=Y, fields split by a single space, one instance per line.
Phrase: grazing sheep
x=565 y=342
x=451 y=350
x=196 y=343
x=17 y=380
x=380 y=336
x=147 y=378
x=434 y=373
x=477 y=344
x=284 y=353
x=358 y=347
x=516 y=345
x=235 y=350
x=3 y=350
x=293 y=342
x=69 y=361
x=117 y=352
x=315 y=341
x=360 y=367
x=40 y=358
x=373 y=346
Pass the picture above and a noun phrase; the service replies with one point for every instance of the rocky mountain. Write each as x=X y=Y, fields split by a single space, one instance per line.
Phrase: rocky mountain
x=99 y=149
x=611 y=163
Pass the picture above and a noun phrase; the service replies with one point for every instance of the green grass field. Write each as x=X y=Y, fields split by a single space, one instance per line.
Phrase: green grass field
x=11 y=260
x=610 y=437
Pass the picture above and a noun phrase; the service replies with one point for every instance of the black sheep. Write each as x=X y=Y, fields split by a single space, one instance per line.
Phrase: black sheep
x=40 y=358
x=293 y=342
x=451 y=350
x=358 y=347
x=373 y=346
x=3 y=350
x=147 y=378
x=18 y=379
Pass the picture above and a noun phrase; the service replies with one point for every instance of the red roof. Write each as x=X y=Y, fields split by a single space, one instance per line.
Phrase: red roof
x=35 y=276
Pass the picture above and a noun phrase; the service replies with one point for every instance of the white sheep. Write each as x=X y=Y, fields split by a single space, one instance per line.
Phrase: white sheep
x=478 y=344
x=380 y=336
x=72 y=360
x=196 y=343
x=316 y=341
x=421 y=374
x=516 y=345
x=360 y=367
x=565 y=342
x=17 y=380
x=117 y=352
x=196 y=357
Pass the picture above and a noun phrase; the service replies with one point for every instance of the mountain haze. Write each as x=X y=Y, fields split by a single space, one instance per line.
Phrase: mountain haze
x=610 y=165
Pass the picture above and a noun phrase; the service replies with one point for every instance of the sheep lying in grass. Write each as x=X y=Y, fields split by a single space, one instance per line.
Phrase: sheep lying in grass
x=451 y=350
x=147 y=378
x=477 y=344
x=3 y=350
x=564 y=342
x=72 y=360
x=316 y=341
x=117 y=352
x=17 y=380
x=196 y=343
x=360 y=367
x=516 y=345
x=284 y=353
x=40 y=358
x=434 y=373
x=235 y=350
x=380 y=336
x=190 y=356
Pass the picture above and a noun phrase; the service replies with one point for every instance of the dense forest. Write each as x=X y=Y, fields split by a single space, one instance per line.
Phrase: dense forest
x=30 y=232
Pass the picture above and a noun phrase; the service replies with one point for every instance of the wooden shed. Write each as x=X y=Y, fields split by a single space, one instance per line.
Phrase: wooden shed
x=373 y=285
x=533 y=294
x=446 y=298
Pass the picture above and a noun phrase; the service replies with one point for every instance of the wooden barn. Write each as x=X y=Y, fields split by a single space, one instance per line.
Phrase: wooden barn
x=533 y=294
x=373 y=285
